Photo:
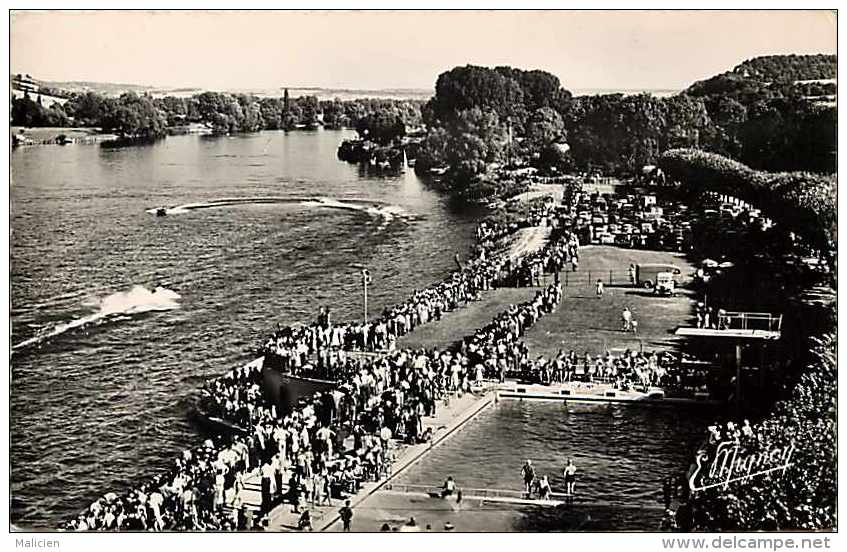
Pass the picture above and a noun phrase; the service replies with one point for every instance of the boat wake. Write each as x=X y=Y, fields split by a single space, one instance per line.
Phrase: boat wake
x=384 y=211
x=135 y=301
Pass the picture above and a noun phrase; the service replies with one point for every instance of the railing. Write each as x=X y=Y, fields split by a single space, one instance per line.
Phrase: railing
x=750 y=321
x=466 y=491
x=570 y=278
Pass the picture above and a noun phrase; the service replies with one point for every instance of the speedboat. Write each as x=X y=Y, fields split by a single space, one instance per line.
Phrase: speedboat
x=161 y=212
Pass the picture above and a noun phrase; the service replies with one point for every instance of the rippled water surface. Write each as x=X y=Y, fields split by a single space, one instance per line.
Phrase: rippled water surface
x=104 y=370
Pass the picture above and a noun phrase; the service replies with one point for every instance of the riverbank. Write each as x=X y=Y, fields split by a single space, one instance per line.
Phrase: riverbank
x=34 y=136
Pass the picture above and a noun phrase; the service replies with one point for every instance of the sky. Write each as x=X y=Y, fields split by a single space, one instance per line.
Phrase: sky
x=391 y=49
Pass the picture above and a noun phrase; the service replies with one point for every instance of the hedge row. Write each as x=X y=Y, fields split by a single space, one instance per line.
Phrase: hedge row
x=803 y=202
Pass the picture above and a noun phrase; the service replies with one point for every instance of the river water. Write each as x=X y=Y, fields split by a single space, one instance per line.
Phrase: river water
x=105 y=372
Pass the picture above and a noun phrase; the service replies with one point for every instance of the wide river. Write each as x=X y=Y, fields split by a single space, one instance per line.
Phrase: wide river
x=104 y=372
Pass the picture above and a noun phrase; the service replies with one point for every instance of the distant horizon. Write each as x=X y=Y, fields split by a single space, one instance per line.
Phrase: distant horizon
x=346 y=91
x=404 y=50
x=302 y=87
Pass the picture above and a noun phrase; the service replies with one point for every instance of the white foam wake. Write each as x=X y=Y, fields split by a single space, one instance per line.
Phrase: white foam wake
x=374 y=208
x=137 y=300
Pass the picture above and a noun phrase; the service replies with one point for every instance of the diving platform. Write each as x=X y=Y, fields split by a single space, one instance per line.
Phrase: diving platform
x=502 y=496
x=740 y=325
x=729 y=333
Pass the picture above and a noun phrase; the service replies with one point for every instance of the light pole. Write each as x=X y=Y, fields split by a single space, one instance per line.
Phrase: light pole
x=366 y=279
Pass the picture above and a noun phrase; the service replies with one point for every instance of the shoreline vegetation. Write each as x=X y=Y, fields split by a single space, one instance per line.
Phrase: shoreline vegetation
x=133 y=117
x=772 y=113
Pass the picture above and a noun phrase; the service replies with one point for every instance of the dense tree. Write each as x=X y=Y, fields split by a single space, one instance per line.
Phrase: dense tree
x=136 y=117
x=382 y=127
x=29 y=113
x=540 y=88
x=89 y=109
x=468 y=87
x=544 y=127
x=768 y=118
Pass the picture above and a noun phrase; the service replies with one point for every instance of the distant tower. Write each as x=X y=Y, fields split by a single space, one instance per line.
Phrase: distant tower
x=285 y=101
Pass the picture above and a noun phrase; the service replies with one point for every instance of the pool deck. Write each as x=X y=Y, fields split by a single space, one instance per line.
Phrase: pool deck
x=597 y=393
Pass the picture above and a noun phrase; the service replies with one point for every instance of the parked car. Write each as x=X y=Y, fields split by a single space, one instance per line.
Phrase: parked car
x=665 y=284
x=624 y=240
x=646 y=275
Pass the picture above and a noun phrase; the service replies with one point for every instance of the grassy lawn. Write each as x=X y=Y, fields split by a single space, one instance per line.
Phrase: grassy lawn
x=584 y=323
x=457 y=324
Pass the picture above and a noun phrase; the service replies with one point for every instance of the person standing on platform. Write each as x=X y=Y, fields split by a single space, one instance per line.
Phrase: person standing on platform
x=528 y=473
x=570 y=477
x=543 y=488
x=346 y=513
x=599 y=287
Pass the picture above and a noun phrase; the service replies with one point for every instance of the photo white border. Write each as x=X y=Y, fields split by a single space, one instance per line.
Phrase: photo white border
x=90 y=542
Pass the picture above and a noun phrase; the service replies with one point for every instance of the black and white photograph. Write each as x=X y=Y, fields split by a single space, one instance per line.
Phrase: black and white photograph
x=554 y=271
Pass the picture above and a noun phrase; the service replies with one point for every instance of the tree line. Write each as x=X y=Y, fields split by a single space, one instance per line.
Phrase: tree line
x=482 y=116
x=142 y=116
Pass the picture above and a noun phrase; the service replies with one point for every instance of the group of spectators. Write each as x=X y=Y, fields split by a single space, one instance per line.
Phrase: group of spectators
x=291 y=349
x=627 y=369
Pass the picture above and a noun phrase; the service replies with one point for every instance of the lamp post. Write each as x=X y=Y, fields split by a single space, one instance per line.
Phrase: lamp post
x=509 y=150
x=366 y=279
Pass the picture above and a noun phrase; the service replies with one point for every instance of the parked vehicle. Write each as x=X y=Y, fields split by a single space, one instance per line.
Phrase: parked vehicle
x=646 y=275
x=665 y=284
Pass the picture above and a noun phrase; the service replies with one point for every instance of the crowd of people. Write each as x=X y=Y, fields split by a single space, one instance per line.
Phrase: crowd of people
x=291 y=349
x=627 y=369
